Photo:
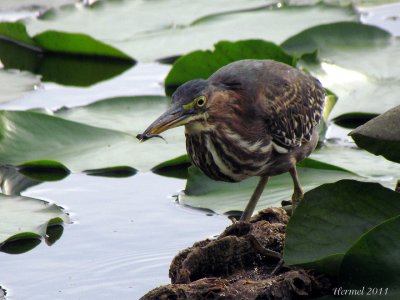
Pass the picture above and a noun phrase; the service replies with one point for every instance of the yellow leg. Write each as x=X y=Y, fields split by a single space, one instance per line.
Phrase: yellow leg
x=298 y=193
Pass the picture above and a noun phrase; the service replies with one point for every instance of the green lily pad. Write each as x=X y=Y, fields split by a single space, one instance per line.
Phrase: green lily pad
x=132 y=115
x=331 y=218
x=373 y=262
x=59 y=65
x=59 y=42
x=184 y=27
x=16 y=31
x=349 y=157
x=222 y=197
x=78 y=146
x=15 y=84
x=202 y=64
x=26 y=220
x=381 y=135
x=357 y=63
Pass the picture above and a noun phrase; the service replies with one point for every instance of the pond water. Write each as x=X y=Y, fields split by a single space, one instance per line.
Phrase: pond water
x=124 y=231
x=124 y=234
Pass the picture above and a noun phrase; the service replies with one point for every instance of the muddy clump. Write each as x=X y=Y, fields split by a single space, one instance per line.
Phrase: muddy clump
x=238 y=265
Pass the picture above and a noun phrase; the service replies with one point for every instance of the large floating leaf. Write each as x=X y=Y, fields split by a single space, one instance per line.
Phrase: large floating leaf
x=128 y=114
x=375 y=253
x=132 y=115
x=15 y=84
x=63 y=55
x=331 y=218
x=25 y=221
x=357 y=63
x=202 y=64
x=59 y=42
x=381 y=135
x=222 y=197
x=349 y=157
x=183 y=27
x=79 y=146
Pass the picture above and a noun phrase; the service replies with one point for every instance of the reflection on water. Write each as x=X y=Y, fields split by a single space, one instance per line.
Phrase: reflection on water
x=125 y=233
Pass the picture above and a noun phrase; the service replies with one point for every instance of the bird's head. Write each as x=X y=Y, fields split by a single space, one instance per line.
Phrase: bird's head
x=190 y=103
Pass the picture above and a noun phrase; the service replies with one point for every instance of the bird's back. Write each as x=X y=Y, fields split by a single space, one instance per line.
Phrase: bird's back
x=290 y=101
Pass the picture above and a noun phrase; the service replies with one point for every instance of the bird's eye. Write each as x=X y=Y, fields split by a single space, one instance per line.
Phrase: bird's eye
x=200 y=101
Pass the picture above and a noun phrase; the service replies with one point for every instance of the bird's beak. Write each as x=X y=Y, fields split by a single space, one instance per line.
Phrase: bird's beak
x=175 y=116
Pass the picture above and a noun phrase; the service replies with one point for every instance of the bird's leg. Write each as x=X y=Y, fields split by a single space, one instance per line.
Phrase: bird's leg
x=248 y=212
x=298 y=193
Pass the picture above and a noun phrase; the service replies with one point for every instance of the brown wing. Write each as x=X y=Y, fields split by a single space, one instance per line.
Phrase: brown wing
x=293 y=108
x=290 y=101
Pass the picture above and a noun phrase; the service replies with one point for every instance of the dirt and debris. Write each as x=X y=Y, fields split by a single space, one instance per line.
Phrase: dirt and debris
x=238 y=264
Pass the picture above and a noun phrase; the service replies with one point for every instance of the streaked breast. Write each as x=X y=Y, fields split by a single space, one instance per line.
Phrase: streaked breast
x=228 y=157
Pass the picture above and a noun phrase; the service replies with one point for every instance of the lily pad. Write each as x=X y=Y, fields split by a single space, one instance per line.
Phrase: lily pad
x=222 y=197
x=350 y=157
x=184 y=27
x=78 y=146
x=15 y=84
x=381 y=135
x=59 y=42
x=331 y=218
x=357 y=63
x=25 y=220
x=202 y=64
x=376 y=252
x=68 y=53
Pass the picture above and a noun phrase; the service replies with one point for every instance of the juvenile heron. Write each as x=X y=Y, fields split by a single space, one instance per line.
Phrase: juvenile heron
x=250 y=118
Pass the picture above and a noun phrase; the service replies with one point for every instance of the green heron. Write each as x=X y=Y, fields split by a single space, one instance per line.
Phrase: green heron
x=249 y=118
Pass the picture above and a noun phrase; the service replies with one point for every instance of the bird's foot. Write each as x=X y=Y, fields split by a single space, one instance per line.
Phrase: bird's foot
x=261 y=249
x=278 y=267
x=297 y=196
x=266 y=252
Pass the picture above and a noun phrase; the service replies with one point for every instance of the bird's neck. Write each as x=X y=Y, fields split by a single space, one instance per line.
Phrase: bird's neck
x=199 y=126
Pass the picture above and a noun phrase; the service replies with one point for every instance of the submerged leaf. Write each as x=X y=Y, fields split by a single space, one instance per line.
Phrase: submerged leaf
x=353 y=119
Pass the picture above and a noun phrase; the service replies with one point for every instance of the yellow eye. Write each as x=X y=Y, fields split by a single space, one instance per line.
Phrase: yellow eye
x=201 y=101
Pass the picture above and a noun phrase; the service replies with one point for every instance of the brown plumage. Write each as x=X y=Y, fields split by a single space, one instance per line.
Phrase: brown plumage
x=250 y=118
